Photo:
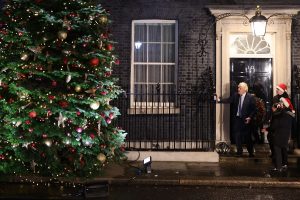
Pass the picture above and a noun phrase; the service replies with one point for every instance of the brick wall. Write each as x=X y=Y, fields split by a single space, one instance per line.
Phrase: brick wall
x=192 y=19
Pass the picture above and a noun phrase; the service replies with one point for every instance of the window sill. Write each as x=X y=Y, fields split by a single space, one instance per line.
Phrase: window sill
x=151 y=111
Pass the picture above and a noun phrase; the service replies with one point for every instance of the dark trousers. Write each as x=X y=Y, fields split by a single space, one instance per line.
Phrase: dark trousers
x=281 y=156
x=242 y=133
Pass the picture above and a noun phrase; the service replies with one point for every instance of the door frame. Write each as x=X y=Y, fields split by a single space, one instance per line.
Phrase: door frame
x=279 y=28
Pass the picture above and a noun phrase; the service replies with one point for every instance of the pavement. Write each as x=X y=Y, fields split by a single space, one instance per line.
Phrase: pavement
x=229 y=171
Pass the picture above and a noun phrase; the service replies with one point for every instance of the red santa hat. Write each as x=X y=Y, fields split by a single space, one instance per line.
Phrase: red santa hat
x=287 y=103
x=282 y=87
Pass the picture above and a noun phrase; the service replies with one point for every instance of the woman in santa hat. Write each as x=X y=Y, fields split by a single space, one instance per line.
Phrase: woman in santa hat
x=280 y=127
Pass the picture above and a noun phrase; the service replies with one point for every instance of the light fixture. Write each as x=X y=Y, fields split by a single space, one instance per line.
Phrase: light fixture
x=147 y=164
x=258 y=23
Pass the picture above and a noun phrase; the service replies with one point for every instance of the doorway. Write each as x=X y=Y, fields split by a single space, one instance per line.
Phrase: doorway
x=257 y=73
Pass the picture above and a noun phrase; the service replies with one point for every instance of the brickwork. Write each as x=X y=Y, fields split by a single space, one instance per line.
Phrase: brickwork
x=192 y=18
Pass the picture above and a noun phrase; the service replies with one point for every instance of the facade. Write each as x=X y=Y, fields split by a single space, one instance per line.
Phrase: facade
x=175 y=55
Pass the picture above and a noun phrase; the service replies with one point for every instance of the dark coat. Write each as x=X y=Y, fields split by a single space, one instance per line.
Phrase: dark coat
x=248 y=107
x=280 y=127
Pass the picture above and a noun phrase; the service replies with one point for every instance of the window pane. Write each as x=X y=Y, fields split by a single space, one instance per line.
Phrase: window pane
x=168 y=33
x=154 y=53
x=154 y=33
x=168 y=54
x=140 y=33
x=140 y=73
x=168 y=74
x=154 y=91
x=140 y=53
x=140 y=92
x=154 y=72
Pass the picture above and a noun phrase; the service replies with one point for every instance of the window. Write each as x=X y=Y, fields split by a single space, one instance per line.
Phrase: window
x=247 y=45
x=153 y=66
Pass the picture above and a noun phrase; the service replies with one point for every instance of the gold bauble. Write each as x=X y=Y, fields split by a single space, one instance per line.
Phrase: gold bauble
x=101 y=157
x=24 y=56
x=62 y=35
x=103 y=19
x=77 y=88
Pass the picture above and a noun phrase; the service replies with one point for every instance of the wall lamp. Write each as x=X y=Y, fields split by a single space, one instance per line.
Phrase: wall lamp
x=258 y=21
x=258 y=25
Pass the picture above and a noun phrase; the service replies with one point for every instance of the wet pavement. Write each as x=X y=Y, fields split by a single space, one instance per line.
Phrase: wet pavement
x=230 y=172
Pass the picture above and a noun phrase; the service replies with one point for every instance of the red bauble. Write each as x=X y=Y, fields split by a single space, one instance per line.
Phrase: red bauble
x=107 y=74
x=92 y=135
x=32 y=114
x=117 y=62
x=94 y=62
x=65 y=60
x=63 y=104
x=109 y=47
x=108 y=120
x=54 y=83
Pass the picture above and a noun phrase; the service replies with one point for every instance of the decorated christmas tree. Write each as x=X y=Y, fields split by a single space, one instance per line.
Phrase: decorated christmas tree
x=56 y=86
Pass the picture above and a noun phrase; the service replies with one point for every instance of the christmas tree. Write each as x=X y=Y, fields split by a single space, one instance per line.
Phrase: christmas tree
x=56 y=85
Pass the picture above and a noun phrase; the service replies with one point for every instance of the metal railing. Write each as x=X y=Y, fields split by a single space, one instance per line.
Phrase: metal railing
x=182 y=121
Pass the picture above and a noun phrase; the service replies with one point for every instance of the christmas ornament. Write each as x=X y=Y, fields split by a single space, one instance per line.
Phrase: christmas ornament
x=18 y=123
x=79 y=129
x=68 y=78
x=48 y=142
x=54 y=83
x=62 y=35
x=63 y=104
x=94 y=105
x=32 y=114
x=101 y=157
x=77 y=88
x=61 y=120
x=91 y=91
x=103 y=19
x=109 y=47
x=32 y=165
x=36 y=50
x=94 y=62
x=24 y=56
x=108 y=120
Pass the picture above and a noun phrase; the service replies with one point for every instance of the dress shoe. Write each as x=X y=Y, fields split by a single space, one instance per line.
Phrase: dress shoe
x=251 y=156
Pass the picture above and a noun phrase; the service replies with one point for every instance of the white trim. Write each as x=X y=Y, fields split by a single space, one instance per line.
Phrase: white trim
x=133 y=63
x=279 y=31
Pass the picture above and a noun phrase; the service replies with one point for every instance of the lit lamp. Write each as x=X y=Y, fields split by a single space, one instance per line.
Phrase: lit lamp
x=258 y=23
x=147 y=164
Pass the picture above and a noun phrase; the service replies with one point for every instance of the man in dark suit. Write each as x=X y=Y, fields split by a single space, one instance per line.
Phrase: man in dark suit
x=244 y=110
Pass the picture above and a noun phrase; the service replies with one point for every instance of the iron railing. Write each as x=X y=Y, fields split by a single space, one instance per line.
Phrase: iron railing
x=182 y=121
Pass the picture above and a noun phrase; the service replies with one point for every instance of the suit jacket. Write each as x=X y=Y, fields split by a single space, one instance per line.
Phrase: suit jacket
x=248 y=107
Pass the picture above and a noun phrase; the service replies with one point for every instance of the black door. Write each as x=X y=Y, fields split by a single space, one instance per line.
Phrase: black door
x=257 y=73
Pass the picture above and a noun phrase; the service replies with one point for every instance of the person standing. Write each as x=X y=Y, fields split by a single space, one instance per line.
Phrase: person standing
x=283 y=115
x=244 y=110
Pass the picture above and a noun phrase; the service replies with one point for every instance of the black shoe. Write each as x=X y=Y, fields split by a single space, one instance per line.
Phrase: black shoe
x=284 y=168
x=251 y=155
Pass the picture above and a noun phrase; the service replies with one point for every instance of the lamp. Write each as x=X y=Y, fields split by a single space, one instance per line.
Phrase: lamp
x=258 y=23
x=147 y=164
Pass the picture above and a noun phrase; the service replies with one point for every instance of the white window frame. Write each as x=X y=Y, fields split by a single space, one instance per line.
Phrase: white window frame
x=151 y=105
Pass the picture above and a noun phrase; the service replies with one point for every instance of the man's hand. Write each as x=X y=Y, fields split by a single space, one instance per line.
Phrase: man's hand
x=247 y=120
